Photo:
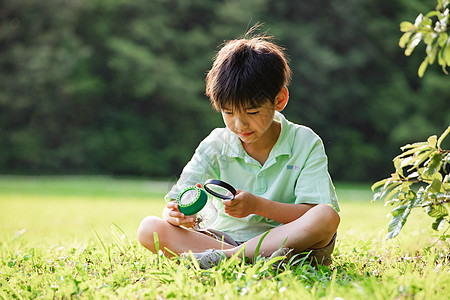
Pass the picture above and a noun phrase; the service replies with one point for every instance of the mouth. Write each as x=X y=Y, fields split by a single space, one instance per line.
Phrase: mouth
x=245 y=134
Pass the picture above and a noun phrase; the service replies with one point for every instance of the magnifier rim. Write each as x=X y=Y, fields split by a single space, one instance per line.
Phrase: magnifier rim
x=221 y=184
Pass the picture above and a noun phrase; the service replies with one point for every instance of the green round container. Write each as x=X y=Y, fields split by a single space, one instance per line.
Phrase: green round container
x=191 y=200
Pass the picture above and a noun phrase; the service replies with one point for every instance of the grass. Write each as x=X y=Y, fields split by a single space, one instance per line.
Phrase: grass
x=65 y=237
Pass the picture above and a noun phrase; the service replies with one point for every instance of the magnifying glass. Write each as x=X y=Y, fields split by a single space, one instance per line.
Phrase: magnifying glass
x=192 y=199
x=220 y=189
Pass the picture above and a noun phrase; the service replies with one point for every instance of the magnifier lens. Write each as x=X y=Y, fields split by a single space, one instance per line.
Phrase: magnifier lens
x=220 y=189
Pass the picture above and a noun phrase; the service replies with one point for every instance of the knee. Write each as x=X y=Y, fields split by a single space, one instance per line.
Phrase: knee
x=147 y=229
x=330 y=216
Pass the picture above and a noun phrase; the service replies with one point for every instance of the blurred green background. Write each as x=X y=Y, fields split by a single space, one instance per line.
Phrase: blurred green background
x=117 y=87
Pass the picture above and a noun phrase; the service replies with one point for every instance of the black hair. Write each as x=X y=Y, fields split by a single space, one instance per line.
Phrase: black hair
x=246 y=73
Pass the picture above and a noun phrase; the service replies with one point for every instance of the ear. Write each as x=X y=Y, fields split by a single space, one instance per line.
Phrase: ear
x=281 y=99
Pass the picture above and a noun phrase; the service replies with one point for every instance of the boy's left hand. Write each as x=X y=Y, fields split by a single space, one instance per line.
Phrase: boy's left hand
x=241 y=206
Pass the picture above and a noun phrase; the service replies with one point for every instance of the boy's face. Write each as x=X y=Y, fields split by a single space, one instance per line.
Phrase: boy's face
x=249 y=124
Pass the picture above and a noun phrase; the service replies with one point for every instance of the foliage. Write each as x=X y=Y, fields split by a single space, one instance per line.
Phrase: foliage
x=117 y=87
x=434 y=33
x=421 y=179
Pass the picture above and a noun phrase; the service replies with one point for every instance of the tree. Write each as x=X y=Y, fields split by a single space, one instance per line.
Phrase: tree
x=421 y=180
x=117 y=86
x=422 y=171
x=433 y=29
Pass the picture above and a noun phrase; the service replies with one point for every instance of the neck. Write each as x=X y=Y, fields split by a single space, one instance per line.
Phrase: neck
x=260 y=149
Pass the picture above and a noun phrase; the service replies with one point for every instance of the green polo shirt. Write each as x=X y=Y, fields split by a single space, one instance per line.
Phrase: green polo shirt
x=295 y=172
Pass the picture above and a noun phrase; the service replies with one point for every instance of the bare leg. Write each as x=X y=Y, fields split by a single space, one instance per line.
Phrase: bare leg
x=176 y=239
x=314 y=229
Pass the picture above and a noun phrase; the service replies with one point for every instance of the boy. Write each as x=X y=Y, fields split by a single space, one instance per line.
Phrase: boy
x=279 y=169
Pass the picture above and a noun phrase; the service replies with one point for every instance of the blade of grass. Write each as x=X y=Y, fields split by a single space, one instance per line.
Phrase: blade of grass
x=126 y=236
x=8 y=287
x=107 y=250
x=156 y=241
x=194 y=261
x=331 y=289
x=117 y=241
x=171 y=252
x=233 y=258
x=255 y=256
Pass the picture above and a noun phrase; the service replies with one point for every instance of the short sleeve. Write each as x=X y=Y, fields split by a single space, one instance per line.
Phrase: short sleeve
x=314 y=184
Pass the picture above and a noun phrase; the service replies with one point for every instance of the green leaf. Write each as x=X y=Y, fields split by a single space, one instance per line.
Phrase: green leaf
x=432 y=140
x=407 y=161
x=447 y=52
x=400 y=215
x=444 y=237
x=378 y=184
x=392 y=194
x=442 y=4
x=441 y=60
x=423 y=67
x=388 y=186
x=435 y=186
x=406 y=26
x=398 y=167
x=404 y=39
x=414 y=41
x=413 y=175
x=433 y=13
x=405 y=186
x=399 y=200
x=432 y=50
x=437 y=211
x=419 y=159
x=398 y=220
x=415 y=149
x=438 y=223
x=433 y=165
x=413 y=145
x=442 y=137
x=442 y=41
x=418 y=20
x=429 y=38
x=399 y=210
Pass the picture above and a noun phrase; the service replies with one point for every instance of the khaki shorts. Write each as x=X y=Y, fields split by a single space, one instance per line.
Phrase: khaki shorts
x=321 y=256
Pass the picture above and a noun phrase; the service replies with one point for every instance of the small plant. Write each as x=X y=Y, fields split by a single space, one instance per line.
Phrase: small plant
x=421 y=179
x=433 y=29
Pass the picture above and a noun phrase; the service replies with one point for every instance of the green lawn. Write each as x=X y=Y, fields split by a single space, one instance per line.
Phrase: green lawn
x=63 y=237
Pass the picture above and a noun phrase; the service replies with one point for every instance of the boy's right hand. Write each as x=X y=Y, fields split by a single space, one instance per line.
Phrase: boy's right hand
x=177 y=218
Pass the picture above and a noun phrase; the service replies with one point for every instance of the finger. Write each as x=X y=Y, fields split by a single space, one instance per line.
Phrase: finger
x=232 y=213
x=176 y=214
x=187 y=222
x=230 y=210
x=172 y=205
x=230 y=203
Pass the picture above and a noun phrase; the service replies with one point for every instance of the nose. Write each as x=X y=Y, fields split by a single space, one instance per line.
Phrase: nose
x=240 y=123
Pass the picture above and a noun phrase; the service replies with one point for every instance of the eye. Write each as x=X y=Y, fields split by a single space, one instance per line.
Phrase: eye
x=252 y=112
x=227 y=112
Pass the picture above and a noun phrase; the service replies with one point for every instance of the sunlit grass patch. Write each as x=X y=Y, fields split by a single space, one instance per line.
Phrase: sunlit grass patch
x=59 y=245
